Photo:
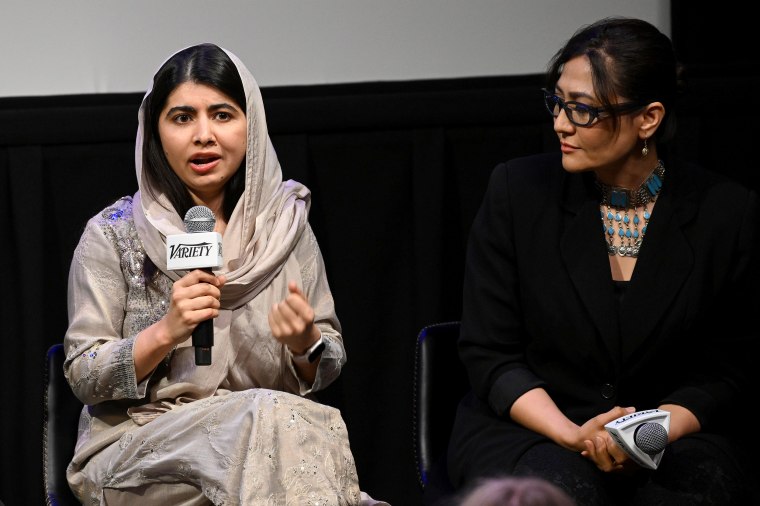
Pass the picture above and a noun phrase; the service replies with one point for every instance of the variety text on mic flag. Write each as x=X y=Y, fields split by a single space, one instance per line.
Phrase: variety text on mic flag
x=199 y=250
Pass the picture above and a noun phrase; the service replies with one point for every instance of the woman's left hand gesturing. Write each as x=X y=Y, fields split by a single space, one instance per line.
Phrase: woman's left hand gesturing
x=292 y=321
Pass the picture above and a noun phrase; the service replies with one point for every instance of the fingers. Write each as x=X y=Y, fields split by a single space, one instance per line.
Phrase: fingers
x=604 y=453
x=295 y=309
x=200 y=276
x=197 y=308
x=616 y=454
x=194 y=298
x=293 y=288
x=293 y=316
x=614 y=414
x=600 y=447
x=197 y=290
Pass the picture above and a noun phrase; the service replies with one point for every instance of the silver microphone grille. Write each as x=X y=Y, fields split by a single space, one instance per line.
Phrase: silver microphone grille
x=199 y=219
x=651 y=438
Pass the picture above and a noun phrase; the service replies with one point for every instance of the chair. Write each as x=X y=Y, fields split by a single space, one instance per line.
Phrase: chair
x=60 y=423
x=440 y=381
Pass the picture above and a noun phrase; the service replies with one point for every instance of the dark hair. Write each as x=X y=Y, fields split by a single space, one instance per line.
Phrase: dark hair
x=629 y=58
x=514 y=491
x=202 y=64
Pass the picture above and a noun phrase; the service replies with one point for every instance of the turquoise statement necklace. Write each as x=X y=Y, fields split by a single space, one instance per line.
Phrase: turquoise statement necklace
x=626 y=213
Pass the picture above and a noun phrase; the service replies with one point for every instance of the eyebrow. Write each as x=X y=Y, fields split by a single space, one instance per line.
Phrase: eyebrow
x=575 y=95
x=212 y=108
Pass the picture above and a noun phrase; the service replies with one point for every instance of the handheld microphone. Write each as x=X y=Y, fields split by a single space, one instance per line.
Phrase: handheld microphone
x=200 y=248
x=643 y=435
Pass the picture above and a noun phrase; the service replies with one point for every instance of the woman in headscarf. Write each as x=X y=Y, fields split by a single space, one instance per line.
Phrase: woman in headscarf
x=156 y=427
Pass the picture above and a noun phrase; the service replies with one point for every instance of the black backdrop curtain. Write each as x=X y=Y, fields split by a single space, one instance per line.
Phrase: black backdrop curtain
x=397 y=172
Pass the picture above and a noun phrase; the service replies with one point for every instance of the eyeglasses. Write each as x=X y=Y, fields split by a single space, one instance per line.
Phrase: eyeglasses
x=583 y=115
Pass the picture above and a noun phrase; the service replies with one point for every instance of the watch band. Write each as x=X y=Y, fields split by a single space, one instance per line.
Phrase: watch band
x=311 y=354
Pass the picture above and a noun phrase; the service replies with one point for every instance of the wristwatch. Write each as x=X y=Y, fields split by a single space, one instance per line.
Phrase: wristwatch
x=311 y=354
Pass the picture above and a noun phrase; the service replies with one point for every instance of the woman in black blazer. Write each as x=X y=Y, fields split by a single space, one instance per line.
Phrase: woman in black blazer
x=606 y=280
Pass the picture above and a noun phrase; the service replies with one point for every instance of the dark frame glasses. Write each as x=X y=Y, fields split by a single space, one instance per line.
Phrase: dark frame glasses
x=583 y=115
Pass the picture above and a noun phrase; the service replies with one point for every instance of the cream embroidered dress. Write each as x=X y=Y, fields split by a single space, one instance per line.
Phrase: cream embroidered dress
x=242 y=430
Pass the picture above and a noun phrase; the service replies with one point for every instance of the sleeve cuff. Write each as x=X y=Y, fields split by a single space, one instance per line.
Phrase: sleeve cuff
x=311 y=354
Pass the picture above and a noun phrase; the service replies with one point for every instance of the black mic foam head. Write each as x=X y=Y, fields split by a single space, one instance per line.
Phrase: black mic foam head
x=199 y=219
x=651 y=438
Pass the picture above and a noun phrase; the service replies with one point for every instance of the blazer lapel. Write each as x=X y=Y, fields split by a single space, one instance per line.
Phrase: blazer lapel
x=585 y=256
x=664 y=262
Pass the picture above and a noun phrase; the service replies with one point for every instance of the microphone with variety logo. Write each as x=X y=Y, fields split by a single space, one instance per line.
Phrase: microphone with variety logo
x=643 y=435
x=200 y=248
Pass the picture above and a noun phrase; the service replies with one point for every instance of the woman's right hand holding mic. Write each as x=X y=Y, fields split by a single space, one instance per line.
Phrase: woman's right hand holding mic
x=194 y=298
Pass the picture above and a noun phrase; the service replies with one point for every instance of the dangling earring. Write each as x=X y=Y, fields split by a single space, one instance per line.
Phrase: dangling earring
x=645 y=149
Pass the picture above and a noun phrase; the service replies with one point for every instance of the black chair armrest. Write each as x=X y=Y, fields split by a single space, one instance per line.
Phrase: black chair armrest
x=440 y=381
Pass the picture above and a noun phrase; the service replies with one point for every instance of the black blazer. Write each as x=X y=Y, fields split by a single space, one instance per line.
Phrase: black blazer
x=539 y=307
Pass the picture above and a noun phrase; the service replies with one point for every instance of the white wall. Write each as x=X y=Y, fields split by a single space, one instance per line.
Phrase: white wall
x=53 y=47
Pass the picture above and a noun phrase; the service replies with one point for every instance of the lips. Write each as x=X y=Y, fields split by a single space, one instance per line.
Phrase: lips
x=204 y=164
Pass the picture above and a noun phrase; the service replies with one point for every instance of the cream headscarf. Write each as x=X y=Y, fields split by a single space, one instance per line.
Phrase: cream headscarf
x=265 y=224
x=261 y=233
